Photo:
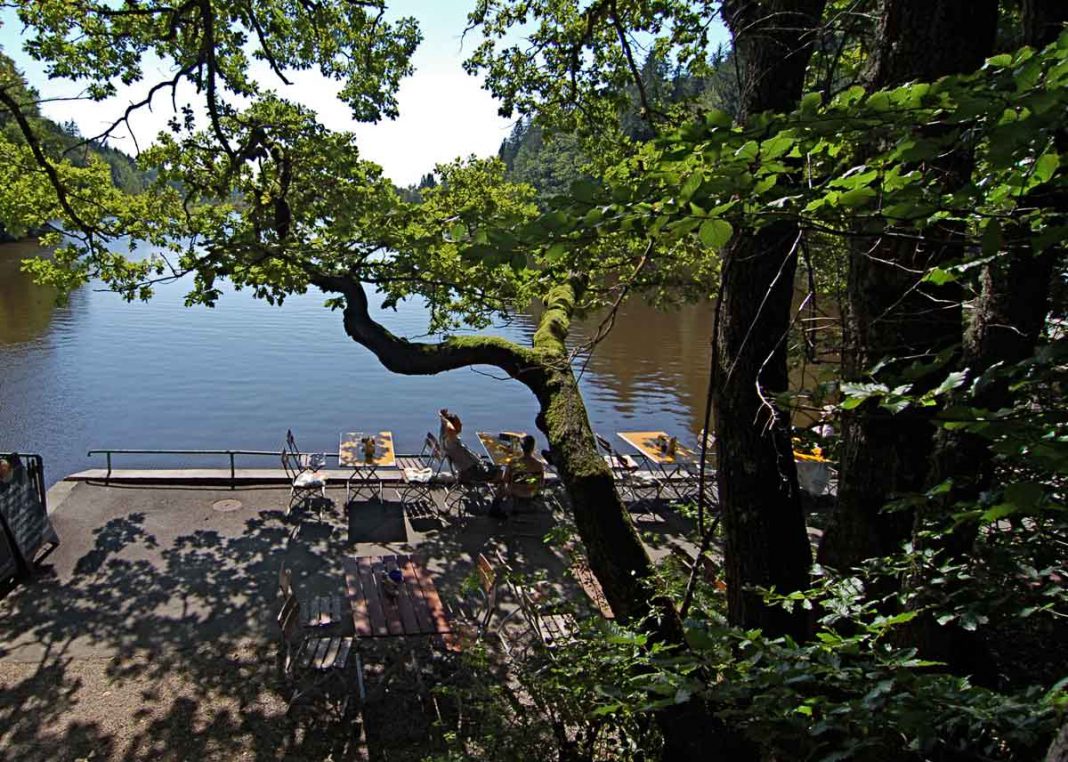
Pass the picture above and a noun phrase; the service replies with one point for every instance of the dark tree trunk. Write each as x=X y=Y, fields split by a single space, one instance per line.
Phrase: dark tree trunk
x=1043 y=21
x=766 y=543
x=889 y=313
x=1006 y=321
x=616 y=554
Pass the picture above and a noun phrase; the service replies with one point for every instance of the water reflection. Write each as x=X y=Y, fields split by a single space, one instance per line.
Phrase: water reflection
x=25 y=308
x=104 y=373
x=651 y=357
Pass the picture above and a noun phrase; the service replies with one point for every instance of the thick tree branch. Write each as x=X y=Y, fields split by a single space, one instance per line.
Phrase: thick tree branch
x=411 y=358
x=44 y=163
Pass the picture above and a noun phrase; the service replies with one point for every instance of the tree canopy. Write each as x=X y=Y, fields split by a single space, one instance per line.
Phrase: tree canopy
x=834 y=142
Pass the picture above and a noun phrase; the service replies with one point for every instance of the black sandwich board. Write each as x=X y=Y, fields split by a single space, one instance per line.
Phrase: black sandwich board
x=26 y=533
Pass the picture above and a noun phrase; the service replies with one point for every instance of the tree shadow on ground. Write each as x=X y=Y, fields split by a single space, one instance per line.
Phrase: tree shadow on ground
x=152 y=648
x=149 y=642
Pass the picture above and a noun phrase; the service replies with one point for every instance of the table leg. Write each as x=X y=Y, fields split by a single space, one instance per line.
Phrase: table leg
x=364 y=476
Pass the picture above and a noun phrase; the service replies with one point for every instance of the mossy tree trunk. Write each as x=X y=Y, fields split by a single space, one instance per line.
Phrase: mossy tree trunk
x=1005 y=326
x=1009 y=314
x=615 y=552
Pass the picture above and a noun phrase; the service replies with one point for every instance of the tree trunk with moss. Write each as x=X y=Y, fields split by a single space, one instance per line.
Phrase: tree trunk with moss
x=1005 y=325
x=615 y=552
x=1009 y=314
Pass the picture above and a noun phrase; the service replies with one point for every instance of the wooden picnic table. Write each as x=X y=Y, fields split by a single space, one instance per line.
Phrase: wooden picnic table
x=351 y=453
x=412 y=607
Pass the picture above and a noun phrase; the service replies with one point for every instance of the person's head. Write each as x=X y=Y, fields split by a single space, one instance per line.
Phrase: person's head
x=454 y=420
x=528 y=445
x=5 y=469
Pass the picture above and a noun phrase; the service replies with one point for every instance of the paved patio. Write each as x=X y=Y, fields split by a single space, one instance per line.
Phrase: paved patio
x=150 y=634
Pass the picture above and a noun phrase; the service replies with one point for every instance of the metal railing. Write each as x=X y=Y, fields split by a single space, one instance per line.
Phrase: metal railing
x=231 y=453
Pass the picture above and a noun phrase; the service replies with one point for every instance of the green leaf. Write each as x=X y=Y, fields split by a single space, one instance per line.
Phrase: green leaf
x=952 y=381
x=810 y=102
x=584 y=190
x=691 y=186
x=748 y=151
x=715 y=233
x=939 y=277
x=775 y=147
x=991 y=240
x=857 y=197
x=1046 y=167
x=1024 y=495
x=716 y=118
x=999 y=512
x=457 y=232
x=556 y=252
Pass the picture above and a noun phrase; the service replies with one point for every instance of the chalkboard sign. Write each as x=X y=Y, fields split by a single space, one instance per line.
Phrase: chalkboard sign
x=9 y=563
x=23 y=516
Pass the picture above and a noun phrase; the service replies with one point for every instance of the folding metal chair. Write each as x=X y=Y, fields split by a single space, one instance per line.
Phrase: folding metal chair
x=318 y=666
x=423 y=473
x=627 y=473
x=461 y=487
x=303 y=472
x=320 y=611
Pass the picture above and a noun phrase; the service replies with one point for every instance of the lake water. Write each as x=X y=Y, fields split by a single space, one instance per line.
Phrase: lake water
x=102 y=373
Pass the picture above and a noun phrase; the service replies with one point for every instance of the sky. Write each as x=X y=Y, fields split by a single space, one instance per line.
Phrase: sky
x=444 y=113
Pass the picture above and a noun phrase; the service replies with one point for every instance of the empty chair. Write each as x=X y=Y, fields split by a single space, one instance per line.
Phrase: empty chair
x=319 y=611
x=545 y=627
x=422 y=473
x=318 y=666
x=303 y=472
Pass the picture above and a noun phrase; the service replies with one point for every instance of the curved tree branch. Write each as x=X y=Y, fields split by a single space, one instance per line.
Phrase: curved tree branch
x=412 y=358
x=45 y=164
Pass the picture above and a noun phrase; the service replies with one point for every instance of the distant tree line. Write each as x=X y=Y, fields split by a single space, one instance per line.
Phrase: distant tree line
x=62 y=140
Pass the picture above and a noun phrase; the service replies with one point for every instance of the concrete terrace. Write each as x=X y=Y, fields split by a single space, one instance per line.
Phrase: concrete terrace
x=149 y=633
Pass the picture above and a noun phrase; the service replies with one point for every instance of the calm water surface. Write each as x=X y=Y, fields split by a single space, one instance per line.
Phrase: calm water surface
x=103 y=373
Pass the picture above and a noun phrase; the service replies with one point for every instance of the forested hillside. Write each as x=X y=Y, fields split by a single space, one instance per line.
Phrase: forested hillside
x=60 y=141
x=551 y=161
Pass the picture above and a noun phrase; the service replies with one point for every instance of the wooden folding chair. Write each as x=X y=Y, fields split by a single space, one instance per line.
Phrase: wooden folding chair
x=550 y=629
x=319 y=610
x=318 y=666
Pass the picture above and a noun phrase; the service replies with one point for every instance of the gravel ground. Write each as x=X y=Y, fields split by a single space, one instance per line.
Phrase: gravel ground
x=99 y=709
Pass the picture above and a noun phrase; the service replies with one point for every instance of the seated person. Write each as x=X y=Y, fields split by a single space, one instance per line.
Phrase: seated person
x=467 y=466
x=523 y=478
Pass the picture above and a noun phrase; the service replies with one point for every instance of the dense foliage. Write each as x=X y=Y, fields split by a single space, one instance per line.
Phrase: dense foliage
x=59 y=142
x=662 y=175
